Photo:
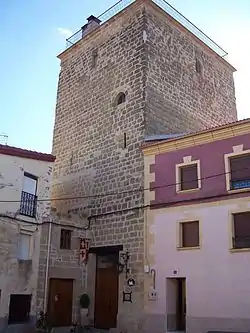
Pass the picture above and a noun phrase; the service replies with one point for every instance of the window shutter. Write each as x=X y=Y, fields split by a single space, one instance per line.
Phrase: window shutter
x=24 y=247
x=190 y=234
x=240 y=168
x=242 y=224
x=65 y=239
x=241 y=230
x=189 y=177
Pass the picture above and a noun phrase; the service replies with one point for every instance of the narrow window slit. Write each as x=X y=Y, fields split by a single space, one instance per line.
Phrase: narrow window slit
x=198 y=66
x=94 y=58
x=120 y=98
x=124 y=140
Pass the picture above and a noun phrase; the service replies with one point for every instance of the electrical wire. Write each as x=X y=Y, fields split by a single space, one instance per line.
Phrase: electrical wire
x=151 y=205
x=126 y=210
x=68 y=225
x=123 y=192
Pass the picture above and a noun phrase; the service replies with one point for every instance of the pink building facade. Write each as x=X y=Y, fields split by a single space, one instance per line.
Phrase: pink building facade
x=197 y=231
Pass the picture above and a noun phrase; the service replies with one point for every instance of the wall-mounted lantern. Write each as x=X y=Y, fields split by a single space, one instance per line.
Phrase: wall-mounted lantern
x=123 y=263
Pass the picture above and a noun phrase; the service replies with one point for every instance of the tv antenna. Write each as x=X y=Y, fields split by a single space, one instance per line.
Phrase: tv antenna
x=4 y=139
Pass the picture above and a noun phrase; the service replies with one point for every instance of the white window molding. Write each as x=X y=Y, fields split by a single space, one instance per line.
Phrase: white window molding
x=231 y=233
x=25 y=245
x=237 y=152
x=238 y=149
x=179 y=241
x=29 y=183
x=187 y=162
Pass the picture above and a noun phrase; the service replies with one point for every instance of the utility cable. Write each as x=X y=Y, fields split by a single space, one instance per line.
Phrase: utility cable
x=26 y=222
x=126 y=210
x=123 y=192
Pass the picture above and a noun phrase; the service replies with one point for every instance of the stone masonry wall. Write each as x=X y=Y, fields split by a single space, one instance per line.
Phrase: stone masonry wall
x=178 y=98
x=11 y=184
x=63 y=263
x=20 y=277
x=91 y=159
x=88 y=140
x=16 y=277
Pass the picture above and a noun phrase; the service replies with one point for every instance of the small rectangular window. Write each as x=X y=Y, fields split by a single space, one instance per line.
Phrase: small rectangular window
x=65 y=241
x=190 y=234
x=24 y=248
x=29 y=183
x=241 y=230
x=124 y=140
x=189 y=177
x=94 y=58
x=240 y=172
x=198 y=66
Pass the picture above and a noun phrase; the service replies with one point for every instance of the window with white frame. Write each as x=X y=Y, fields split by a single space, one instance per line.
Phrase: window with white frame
x=239 y=171
x=189 y=234
x=25 y=246
x=188 y=176
x=241 y=230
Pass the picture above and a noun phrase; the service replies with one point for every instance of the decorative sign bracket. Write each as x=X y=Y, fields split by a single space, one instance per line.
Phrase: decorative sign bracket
x=131 y=282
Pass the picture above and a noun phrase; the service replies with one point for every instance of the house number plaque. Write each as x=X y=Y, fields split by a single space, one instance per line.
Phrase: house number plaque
x=127 y=296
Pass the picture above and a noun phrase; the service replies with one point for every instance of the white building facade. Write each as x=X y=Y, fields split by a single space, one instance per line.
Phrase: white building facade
x=25 y=178
x=197 y=231
x=214 y=273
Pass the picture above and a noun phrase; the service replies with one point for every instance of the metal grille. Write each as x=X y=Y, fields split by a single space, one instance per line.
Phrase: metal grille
x=28 y=204
x=239 y=184
x=122 y=4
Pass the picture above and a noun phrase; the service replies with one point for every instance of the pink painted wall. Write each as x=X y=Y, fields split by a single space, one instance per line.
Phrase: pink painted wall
x=211 y=156
x=218 y=281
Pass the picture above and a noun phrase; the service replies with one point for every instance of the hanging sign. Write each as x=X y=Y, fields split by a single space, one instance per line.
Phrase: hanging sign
x=84 y=250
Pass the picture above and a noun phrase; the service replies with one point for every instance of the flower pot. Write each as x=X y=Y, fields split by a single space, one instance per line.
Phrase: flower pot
x=84 y=316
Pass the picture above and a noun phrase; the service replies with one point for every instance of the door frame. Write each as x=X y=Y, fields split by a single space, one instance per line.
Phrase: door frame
x=49 y=294
x=176 y=296
x=104 y=251
x=10 y=313
x=181 y=304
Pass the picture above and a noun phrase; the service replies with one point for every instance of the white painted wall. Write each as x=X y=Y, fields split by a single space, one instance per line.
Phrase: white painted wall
x=12 y=170
x=218 y=280
x=15 y=277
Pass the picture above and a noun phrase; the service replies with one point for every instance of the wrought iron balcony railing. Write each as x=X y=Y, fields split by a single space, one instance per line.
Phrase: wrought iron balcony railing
x=240 y=184
x=163 y=4
x=28 y=204
x=241 y=242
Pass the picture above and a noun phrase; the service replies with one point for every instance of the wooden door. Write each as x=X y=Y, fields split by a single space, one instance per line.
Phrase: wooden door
x=60 y=302
x=106 y=297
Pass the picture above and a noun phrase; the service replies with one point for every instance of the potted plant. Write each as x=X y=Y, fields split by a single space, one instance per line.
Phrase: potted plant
x=84 y=310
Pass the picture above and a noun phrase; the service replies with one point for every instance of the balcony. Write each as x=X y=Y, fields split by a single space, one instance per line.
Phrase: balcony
x=28 y=204
x=240 y=184
x=241 y=242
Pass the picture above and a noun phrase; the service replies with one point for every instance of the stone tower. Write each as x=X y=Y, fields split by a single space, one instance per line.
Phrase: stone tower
x=138 y=74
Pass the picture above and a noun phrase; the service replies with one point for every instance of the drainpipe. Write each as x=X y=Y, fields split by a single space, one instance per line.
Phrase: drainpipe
x=47 y=270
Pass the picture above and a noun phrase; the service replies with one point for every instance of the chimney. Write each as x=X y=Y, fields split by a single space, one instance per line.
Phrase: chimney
x=93 y=23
